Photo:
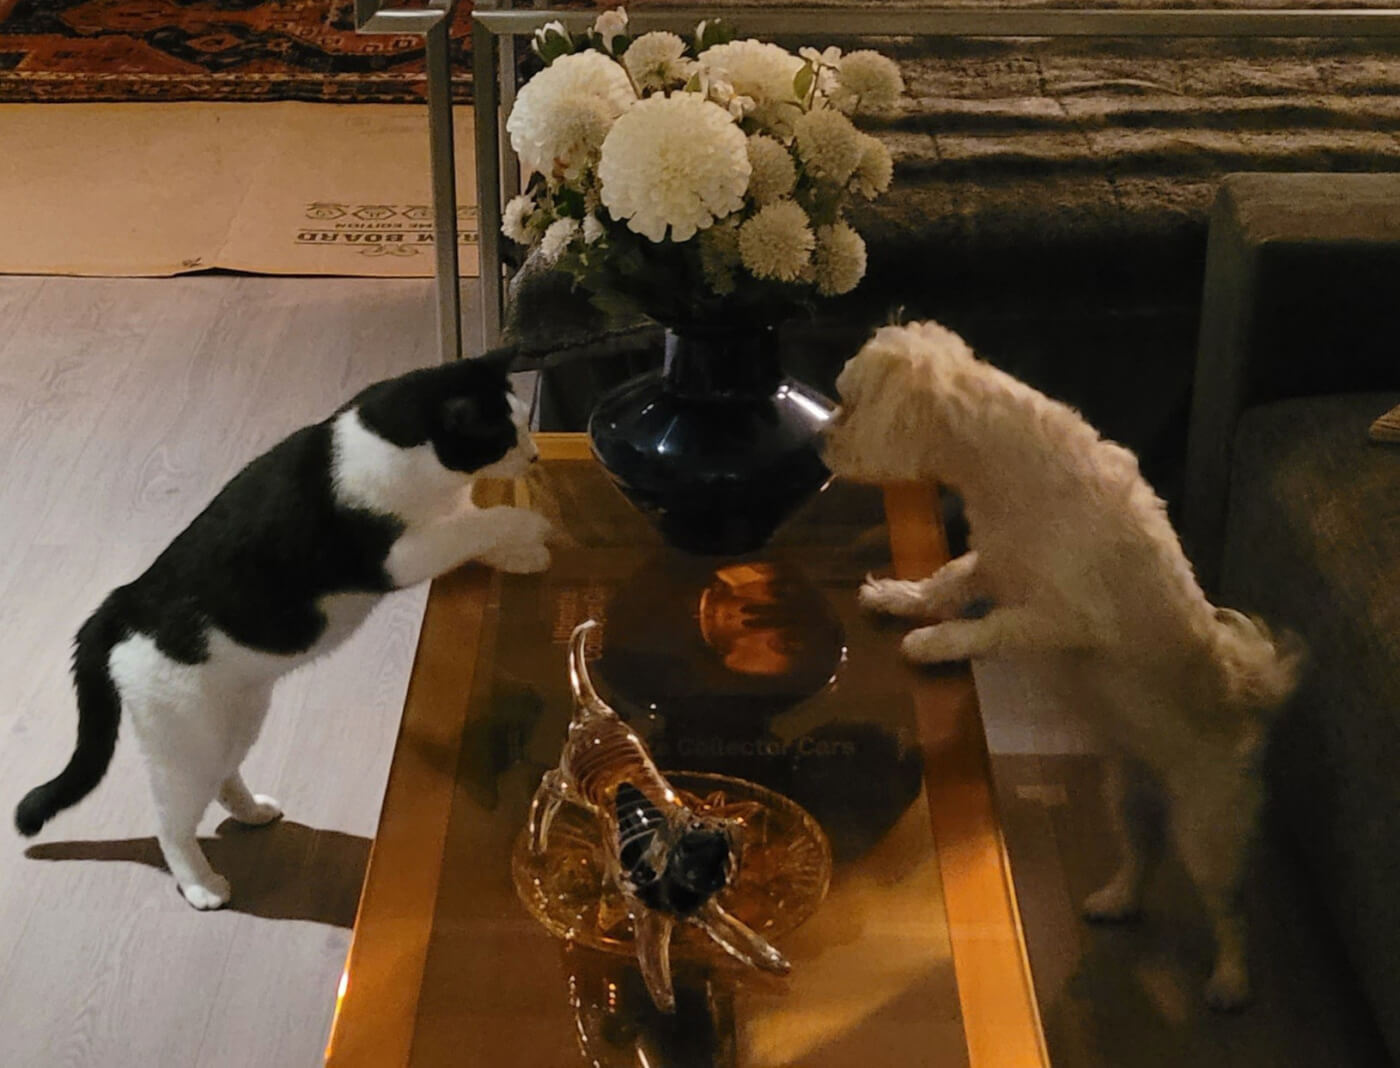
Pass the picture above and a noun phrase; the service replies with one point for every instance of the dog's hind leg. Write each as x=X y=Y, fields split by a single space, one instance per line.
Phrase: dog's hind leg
x=944 y=593
x=1135 y=814
x=1214 y=804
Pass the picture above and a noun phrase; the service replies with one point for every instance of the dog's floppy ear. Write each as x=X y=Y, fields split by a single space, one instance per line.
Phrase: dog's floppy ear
x=865 y=374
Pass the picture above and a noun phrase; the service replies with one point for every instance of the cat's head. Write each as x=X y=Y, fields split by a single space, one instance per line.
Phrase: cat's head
x=466 y=410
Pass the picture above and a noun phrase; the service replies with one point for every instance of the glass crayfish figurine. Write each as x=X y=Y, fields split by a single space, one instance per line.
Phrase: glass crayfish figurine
x=668 y=862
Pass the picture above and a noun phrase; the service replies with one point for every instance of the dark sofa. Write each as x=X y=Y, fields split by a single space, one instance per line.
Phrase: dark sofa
x=1292 y=513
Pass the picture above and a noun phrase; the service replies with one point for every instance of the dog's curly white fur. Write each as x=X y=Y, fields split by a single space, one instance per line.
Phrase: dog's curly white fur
x=1090 y=591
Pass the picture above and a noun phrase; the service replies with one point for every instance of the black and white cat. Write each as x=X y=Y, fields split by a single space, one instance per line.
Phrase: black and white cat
x=280 y=568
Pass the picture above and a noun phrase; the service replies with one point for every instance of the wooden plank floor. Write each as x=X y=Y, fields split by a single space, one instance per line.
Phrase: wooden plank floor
x=124 y=405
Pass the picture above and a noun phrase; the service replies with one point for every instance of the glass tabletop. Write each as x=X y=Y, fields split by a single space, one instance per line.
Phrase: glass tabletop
x=760 y=668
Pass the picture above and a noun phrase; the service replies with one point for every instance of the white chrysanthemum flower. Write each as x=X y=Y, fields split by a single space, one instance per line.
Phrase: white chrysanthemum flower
x=875 y=170
x=657 y=61
x=777 y=242
x=838 y=264
x=719 y=257
x=514 y=218
x=676 y=161
x=593 y=229
x=829 y=145
x=774 y=173
x=563 y=113
x=611 y=24
x=556 y=238
x=763 y=72
x=867 y=81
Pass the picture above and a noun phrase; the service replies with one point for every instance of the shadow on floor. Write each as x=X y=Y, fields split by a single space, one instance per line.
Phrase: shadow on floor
x=285 y=871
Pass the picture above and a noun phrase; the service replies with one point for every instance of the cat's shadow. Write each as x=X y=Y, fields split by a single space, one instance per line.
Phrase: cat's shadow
x=284 y=871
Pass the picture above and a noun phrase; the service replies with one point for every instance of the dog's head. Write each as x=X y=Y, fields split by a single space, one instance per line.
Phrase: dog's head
x=902 y=397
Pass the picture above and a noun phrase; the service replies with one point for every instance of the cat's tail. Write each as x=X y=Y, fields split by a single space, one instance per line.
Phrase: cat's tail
x=99 y=709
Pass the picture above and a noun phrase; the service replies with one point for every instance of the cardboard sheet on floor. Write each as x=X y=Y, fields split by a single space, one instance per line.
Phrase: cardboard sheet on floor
x=276 y=188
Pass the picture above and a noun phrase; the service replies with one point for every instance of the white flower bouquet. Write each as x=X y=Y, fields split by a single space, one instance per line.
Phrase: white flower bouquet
x=689 y=179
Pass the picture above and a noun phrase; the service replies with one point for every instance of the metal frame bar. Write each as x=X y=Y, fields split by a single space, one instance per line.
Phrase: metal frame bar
x=850 y=21
x=434 y=23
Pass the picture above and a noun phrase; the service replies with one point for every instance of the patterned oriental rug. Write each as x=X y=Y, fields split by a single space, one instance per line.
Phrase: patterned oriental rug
x=211 y=50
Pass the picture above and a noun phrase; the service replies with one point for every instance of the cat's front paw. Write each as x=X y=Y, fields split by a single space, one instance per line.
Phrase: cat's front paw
x=213 y=893
x=520 y=546
x=520 y=559
x=522 y=525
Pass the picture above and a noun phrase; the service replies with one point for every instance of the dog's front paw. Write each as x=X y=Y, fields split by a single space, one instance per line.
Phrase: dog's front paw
x=893 y=597
x=932 y=645
x=526 y=559
x=212 y=894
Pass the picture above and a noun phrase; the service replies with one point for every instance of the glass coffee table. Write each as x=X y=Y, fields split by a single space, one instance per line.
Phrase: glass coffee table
x=761 y=668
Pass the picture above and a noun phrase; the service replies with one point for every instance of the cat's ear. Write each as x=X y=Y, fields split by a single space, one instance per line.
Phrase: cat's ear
x=499 y=359
x=461 y=415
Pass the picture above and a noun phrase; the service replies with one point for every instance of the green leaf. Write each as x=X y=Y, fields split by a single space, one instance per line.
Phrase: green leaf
x=712 y=32
x=803 y=80
x=570 y=203
x=549 y=44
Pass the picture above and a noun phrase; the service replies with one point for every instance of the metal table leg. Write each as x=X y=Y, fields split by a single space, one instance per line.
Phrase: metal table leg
x=486 y=74
x=435 y=24
x=444 y=165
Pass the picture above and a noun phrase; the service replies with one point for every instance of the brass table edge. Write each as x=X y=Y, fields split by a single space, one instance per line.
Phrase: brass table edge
x=377 y=1004
x=1001 y=1017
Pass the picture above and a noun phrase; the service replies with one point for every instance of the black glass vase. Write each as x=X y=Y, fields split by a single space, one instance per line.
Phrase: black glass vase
x=717 y=448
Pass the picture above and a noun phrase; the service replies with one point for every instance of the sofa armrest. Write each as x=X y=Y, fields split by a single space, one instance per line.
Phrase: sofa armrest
x=1301 y=286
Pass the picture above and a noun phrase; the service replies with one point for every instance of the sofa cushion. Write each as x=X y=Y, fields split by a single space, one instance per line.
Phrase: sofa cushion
x=1313 y=544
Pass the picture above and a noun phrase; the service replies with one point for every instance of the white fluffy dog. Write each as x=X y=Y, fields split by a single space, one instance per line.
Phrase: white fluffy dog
x=1089 y=591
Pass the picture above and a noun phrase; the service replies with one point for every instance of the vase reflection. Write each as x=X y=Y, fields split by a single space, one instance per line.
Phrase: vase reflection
x=736 y=668
x=741 y=640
